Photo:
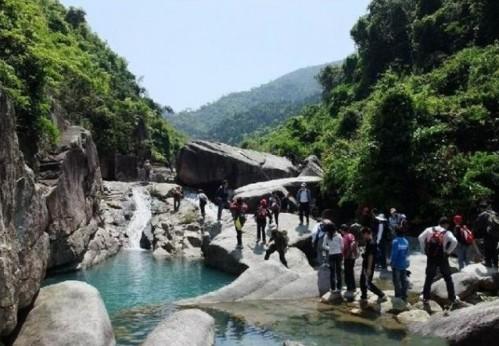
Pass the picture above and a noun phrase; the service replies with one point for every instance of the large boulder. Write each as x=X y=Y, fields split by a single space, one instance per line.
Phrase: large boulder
x=253 y=193
x=475 y=325
x=465 y=284
x=206 y=163
x=222 y=252
x=413 y=316
x=74 y=190
x=24 y=245
x=312 y=167
x=69 y=313
x=184 y=328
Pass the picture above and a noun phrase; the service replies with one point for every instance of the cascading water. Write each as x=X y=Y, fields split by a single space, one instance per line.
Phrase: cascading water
x=211 y=208
x=141 y=219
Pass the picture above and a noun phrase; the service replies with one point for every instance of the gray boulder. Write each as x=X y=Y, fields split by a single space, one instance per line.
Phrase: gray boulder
x=24 y=245
x=312 y=167
x=413 y=316
x=253 y=193
x=465 y=284
x=73 y=195
x=69 y=313
x=184 y=328
x=208 y=163
x=475 y=325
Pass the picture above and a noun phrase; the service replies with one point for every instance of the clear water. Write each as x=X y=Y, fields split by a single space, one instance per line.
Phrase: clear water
x=139 y=292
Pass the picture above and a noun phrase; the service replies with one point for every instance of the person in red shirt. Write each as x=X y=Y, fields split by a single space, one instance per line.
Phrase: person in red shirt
x=350 y=254
x=238 y=209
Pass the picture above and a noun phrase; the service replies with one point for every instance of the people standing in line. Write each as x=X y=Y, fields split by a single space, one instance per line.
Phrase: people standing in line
x=318 y=234
x=261 y=215
x=304 y=199
x=275 y=206
x=438 y=243
x=238 y=209
x=383 y=237
x=178 y=194
x=278 y=242
x=490 y=242
x=350 y=254
x=203 y=201
x=400 y=263
x=147 y=170
x=333 y=246
x=368 y=265
x=222 y=197
x=465 y=241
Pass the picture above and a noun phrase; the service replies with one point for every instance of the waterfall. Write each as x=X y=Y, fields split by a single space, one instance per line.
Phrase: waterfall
x=211 y=208
x=141 y=219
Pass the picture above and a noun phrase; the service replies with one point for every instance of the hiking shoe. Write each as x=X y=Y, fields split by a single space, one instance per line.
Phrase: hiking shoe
x=382 y=299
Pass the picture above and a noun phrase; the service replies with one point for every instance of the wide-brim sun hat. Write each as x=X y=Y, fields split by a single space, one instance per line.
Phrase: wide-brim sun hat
x=381 y=217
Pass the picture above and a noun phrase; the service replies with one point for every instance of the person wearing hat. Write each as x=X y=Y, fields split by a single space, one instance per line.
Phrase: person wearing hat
x=304 y=199
x=437 y=243
x=382 y=238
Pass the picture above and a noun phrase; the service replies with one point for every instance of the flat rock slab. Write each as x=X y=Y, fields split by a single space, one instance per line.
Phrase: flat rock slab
x=68 y=313
x=414 y=316
x=184 y=328
x=222 y=252
x=209 y=163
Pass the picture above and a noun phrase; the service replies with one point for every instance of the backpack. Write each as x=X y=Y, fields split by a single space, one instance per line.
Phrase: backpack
x=435 y=245
x=261 y=213
x=467 y=235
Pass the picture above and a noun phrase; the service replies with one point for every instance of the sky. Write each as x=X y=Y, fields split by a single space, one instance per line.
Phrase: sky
x=190 y=52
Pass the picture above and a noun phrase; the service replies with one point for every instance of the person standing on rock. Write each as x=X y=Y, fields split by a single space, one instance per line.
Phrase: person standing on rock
x=275 y=206
x=350 y=254
x=465 y=241
x=222 y=197
x=383 y=237
x=261 y=215
x=399 y=263
x=368 y=265
x=203 y=201
x=485 y=224
x=318 y=234
x=304 y=199
x=238 y=209
x=278 y=242
x=178 y=194
x=438 y=243
x=333 y=245
x=147 y=170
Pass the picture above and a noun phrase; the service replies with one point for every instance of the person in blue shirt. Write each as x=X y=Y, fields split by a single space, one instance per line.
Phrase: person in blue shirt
x=400 y=263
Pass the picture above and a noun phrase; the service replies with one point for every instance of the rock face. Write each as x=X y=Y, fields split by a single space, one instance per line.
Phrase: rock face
x=476 y=325
x=74 y=182
x=184 y=328
x=222 y=254
x=253 y=193
x=206 y=163
x=413 y=316
x=24 y=245
x=69 y=313
x=312 y=167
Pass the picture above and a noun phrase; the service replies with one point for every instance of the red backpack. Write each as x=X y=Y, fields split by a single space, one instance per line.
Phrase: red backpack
x=261 y=213
x=435 y=244
x=467 y=235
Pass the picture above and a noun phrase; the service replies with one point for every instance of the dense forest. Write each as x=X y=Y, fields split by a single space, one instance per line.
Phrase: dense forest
x=237 y=115
x=412 y=118
x=52 y=63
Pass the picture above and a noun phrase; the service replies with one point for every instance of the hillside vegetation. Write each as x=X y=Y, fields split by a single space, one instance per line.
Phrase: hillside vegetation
x=52 y=63
x=412 y=119
x=237 y=115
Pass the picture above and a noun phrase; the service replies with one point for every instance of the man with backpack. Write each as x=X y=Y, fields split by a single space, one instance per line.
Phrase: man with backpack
x=350 y=254
x=465 y=240
x=318 y=234
x=261 y=215
x=278 y=242
x=238 y=209
x=399 y=263
x=222 y=197
x=487 y=226
x=438 y=243
x=275 y=206
x=304 y=199
x=203 y=200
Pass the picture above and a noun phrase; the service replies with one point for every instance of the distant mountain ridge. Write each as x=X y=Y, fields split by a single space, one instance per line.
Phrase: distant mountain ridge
x=239 y=114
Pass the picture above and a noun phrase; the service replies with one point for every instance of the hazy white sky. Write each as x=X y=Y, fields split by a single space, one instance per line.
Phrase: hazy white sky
x=190 y=52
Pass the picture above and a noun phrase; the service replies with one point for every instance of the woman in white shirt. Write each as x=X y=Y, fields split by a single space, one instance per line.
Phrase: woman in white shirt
x=333 y=245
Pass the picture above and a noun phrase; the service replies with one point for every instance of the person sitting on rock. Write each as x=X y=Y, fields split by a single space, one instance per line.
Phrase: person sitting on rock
x=368 y=265
x=333 y=245
x=438 y=243
x=222 y=197
x=275 y=206
x=238 y=209
x=278 y=242
x=304 y=199
x=178 y=194
x=261 y=215
x=203 y=200
x=399 y=261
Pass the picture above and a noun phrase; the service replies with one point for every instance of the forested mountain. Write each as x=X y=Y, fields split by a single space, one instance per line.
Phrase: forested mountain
x=52 y=64
x=412 y=119
x=236 y=115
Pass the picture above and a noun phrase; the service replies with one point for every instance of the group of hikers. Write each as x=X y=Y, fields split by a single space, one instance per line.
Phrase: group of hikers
x=378 y=239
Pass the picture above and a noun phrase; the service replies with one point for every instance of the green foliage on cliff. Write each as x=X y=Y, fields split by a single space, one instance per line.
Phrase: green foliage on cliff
x=231 y=118
x=52 y=63
x=412 y=119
